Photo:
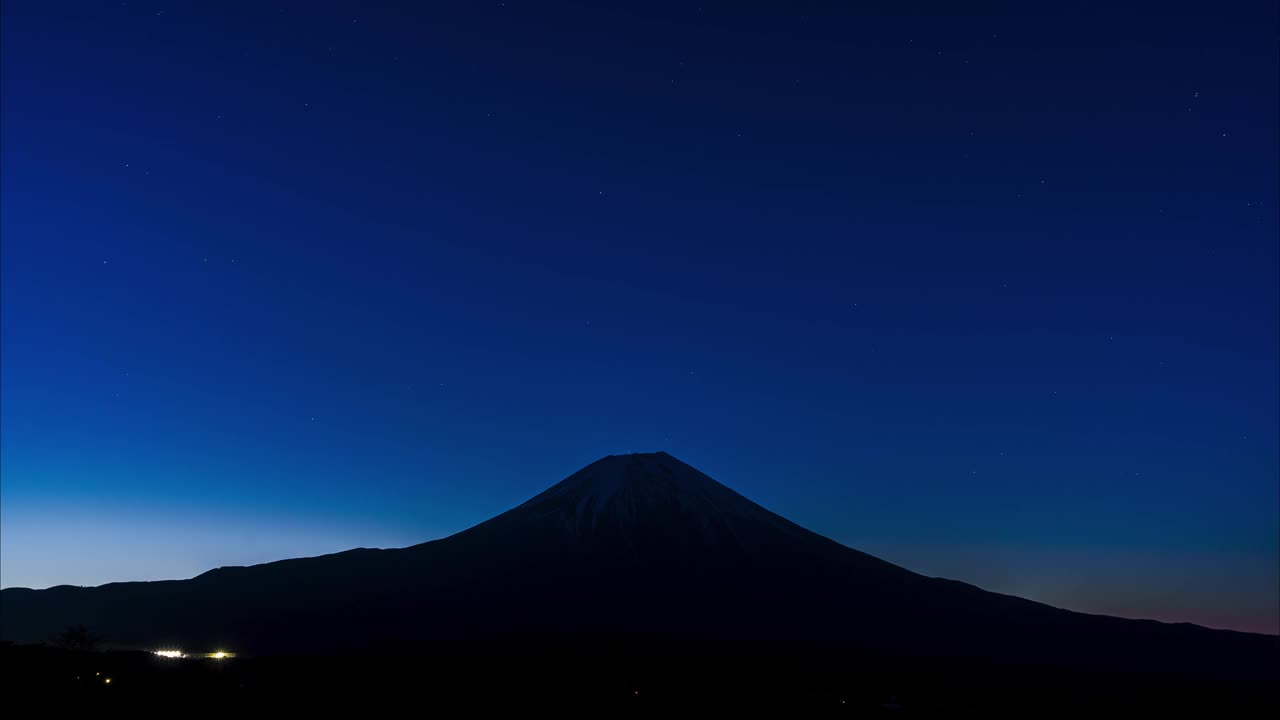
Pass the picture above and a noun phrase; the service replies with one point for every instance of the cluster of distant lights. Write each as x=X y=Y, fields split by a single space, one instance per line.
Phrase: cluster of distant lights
x=178 y=654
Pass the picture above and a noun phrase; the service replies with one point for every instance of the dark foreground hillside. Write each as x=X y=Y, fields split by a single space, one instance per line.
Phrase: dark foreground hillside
x=622 y=678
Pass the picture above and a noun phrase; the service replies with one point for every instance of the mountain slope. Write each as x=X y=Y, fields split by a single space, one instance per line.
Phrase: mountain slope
x=633 y=546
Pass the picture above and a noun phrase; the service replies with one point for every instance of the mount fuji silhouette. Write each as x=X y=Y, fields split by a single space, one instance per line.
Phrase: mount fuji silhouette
x=631 y=547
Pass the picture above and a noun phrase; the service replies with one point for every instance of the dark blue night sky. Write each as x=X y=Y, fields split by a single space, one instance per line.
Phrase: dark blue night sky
x=990 y=295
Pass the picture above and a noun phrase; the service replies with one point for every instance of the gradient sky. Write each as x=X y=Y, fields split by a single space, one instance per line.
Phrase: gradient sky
x=993 y=295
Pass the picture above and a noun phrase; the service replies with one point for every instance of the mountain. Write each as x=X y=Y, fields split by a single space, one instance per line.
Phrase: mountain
x=632 y=548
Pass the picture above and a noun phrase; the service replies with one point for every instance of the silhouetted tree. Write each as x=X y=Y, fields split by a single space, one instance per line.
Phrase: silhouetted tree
x=76 y=637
